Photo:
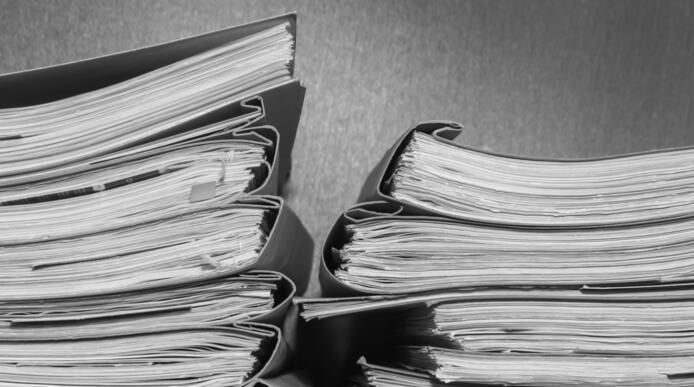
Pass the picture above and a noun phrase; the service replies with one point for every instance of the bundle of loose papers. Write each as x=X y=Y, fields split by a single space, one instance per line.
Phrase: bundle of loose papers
x=144 y=108
x=555 y=342
x=446 y=178
x=133 y=217
x=227 y=161
x=195 y=136
x=217 y=302
x=187 y=357
x=414 y=253
x=158 y=252
x=170 y=185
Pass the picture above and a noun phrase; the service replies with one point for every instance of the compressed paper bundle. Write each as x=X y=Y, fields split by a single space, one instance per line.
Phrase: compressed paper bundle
x=401 y=253
x=186 y=357
x=145 y=107
x=495 y=189
x=154 y=253
x=429 y=171
x=526 y=336
x=217 y=302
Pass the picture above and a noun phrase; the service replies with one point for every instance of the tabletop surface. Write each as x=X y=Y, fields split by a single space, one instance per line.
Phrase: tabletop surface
x=534 y=78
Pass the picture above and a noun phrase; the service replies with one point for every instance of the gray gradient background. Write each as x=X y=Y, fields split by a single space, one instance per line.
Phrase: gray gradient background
x=534 y=78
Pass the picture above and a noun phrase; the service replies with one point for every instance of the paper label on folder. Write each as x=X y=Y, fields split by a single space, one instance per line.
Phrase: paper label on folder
x=202 y=191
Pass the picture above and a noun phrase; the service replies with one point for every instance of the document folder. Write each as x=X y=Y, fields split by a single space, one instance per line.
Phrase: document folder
x=426 y=171
x=82 y=261
x=381 y=248
x=561 y=334
x=282 y=102
x=233 y=356
x=256 y=296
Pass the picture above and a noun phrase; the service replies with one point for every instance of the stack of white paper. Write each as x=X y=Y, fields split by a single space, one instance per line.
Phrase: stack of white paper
x=527 y=336
x=172 y=184
x=160 y=252
x=527 y=369
x=411 y=254
x=217 y=302
x=190 y=357
x=143 y=108
x=234 y=161
x=26 y=181
x=489 y=188
x=550 y=342
x=560 y=327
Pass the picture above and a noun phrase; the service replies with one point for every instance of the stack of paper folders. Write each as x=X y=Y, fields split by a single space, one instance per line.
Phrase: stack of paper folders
x=140 y=241
x=465 y=267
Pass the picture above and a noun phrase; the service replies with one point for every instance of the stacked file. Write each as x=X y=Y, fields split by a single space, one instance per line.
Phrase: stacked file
x=465 y=267
x=140 y=243
x=223 y=301
x=403 y=253
x=191 y=357
x=427 y=171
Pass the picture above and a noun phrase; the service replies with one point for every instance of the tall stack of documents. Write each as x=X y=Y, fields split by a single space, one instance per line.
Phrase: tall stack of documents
x=140 y=239
x=466 y=267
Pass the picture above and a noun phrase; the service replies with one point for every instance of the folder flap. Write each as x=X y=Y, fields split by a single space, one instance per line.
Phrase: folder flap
x=64 y=80
x=289 y=248
x=271 y=183
x=261 y=135
x=337 y=237
x=406 y=375
x=283 y=107
x=376 y=185
x=330 y=285
x=251 y=108
x=371 y=209
x=267 y=136
x=448 y=134
x=275 y=358
x=269 y=202
x=297 y=378
x=254 y=103
x=284 y=295
x=373 y=303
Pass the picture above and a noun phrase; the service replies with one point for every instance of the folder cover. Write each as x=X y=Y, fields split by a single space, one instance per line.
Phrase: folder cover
x=428 y=172
x=282 y=102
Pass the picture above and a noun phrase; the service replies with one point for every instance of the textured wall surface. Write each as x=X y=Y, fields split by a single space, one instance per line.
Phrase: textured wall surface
x=535 y=78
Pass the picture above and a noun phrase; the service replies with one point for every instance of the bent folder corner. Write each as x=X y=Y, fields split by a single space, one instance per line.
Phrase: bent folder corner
x=375 y=187
x=289 y=247
x=331 y=285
